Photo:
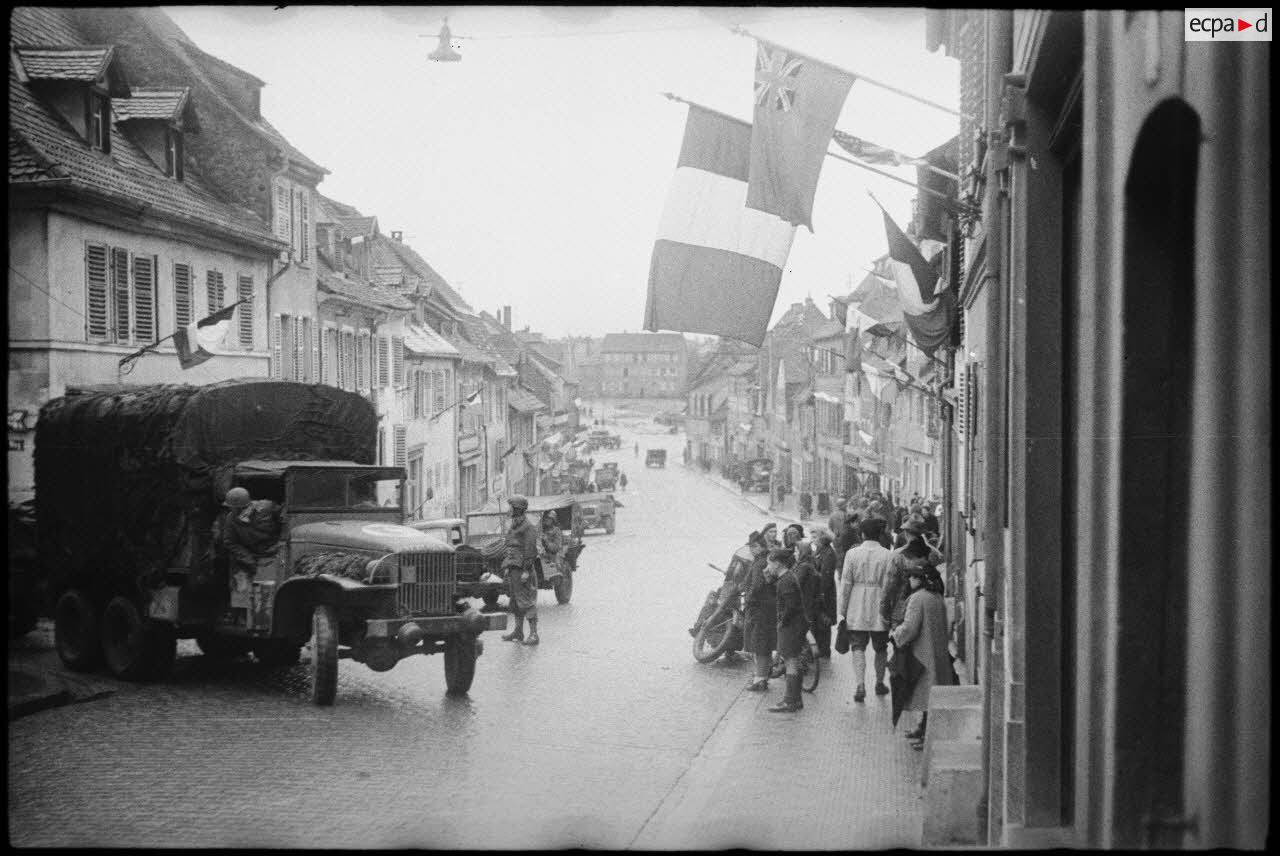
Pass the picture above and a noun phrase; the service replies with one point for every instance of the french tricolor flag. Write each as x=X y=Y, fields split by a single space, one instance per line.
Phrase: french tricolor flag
x=198 y=341
x=716 y=263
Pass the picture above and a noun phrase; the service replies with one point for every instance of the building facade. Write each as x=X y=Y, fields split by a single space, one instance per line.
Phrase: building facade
x=1115 y=301
x=643 y=365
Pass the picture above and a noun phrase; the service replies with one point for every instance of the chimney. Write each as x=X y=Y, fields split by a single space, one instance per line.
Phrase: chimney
x=397 y=237
x=506 y=317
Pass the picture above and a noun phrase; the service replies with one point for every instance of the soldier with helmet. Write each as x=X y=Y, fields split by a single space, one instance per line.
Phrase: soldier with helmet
x=246 y=530
x=520 y=566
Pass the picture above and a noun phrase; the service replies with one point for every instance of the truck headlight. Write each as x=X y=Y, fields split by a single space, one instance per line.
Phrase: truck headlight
x=380 y=570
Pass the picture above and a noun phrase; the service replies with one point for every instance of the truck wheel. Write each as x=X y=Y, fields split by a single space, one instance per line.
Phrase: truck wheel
x=75 y=632
x=459 y=664
x=277 y=653
x=324 y=654
x=564 y=587
x=133 y=648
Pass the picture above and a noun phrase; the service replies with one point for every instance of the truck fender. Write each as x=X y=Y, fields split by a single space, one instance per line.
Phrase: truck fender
x=297 y=597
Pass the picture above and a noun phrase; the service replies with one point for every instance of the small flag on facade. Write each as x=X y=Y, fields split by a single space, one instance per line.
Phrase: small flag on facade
x=716 y=263
x=474 y=397
x=798 y=101
x=198 y=341
x=871 y=153
x=853 y=351
x=928 y=310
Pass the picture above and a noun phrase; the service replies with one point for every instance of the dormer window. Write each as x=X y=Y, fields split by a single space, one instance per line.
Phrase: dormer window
x=173 y=153
x=98 y=121
x=79 y=82
x=157 y=120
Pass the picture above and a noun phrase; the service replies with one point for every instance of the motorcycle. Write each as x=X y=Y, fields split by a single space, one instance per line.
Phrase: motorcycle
x=719 y=629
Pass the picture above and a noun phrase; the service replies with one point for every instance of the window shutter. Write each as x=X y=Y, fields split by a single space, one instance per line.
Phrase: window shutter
x=437 y=391
x=98 y=314
x=297 y=347
x=384 y=361
x=276 y=334
x=216 y=291
x=120 y=292
x=348 y=360
x=362 y=362
x=182 y=302
x=144 y=298
x=294 y=241
x=400 y=434
x=281 y=223
x=244 y=291
x=304 y=226
x=313 y=336
x=397 y=360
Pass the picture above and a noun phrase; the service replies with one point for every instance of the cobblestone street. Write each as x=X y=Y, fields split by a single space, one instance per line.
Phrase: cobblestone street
x=608 y=735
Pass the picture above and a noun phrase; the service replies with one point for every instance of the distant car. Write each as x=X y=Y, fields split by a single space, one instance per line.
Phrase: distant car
x=655 y=458
x=597 y=511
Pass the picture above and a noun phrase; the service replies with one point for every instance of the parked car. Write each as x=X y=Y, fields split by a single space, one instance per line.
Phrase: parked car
x=598 y=511
x=757 y=475
x=607 y=476
x=655 y=458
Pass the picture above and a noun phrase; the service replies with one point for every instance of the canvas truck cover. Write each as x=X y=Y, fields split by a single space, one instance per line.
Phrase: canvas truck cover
x=120 y=474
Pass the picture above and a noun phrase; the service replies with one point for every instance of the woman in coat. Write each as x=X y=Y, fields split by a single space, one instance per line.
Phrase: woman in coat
x=924 y=628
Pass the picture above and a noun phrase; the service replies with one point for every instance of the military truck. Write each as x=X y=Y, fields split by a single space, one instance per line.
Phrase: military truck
x=484 y=535
x=130 y=480
x=607 y=475
x=597 y=511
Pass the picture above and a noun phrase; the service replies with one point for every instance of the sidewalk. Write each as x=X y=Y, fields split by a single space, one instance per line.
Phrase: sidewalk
x=786 y=513
x=38 y=680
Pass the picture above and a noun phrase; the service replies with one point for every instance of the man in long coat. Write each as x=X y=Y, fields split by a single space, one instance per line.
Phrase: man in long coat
x=825 y=613
x=520 y=566
x=862 y=580
x=760 y=609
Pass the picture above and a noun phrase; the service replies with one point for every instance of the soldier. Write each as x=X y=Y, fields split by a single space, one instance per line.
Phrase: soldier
x=520 y=567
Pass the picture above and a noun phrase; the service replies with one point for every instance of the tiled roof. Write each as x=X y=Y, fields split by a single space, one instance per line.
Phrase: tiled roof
x=126 y=175
x=353 y=226
x=422 y=340
x=82 y=62
x=25 y=164
x=473 y=327
x=336 y=209
x=419 y=266
x=501 y=340
x=642 y=342
x=356 y=290
x=524 y=402
x=469 y=352
x=877 y=298
x=538 y=382
x=147 y=103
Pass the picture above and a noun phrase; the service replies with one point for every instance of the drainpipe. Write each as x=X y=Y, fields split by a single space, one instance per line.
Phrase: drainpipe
x=999 y=58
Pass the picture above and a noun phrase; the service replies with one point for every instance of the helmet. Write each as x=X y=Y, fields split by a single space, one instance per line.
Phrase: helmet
x=237 y=497
x=518 y=503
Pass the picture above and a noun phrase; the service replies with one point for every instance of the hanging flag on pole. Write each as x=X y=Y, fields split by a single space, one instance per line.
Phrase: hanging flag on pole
x=928 y=310
x=871 y=153
x=797 y=103
x=716 y=263
x=198 y=341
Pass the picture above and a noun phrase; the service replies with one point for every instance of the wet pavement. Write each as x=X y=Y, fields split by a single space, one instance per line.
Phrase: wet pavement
x=608 y=735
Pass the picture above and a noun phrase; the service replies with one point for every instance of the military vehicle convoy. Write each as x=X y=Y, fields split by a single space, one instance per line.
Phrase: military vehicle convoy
x=129 y=484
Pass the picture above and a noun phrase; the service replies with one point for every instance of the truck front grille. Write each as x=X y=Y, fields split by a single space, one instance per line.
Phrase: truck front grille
x=427 y=583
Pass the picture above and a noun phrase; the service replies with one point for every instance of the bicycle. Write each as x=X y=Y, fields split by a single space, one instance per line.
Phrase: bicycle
x=810 y=666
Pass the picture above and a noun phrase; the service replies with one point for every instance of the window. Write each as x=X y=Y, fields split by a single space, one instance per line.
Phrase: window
x=302 y=241
x=244 y=291
x=173 y=153
x=437 y=391
x=182 y=296
x=98 y=121
x=120 y=295
x=215 y=290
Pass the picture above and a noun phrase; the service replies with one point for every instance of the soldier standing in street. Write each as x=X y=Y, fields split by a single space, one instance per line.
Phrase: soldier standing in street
x=521 y=571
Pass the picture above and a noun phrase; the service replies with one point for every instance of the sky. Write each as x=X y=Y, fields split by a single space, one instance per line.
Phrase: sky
x=533 y=173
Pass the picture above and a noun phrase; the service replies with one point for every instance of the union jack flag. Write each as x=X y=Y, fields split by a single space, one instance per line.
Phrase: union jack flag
x=776 y=78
